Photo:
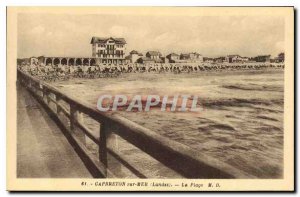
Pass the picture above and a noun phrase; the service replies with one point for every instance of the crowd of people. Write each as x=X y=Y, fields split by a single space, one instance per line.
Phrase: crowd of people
x=64 y=72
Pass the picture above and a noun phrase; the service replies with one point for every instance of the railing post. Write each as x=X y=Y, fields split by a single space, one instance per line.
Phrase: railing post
x=73 y=117
x=38 y=88
x=57 y=99
x=80 y=117
x=46 y=95
x=29 y=84
x=102 y=144
x=87 y=141
x=26 y=82
x=112 y=143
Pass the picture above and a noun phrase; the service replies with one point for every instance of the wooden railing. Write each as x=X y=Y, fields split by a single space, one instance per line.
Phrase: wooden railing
x=176 y=156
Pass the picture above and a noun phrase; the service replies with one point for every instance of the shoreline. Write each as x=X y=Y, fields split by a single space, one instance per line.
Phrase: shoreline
x=191 y=74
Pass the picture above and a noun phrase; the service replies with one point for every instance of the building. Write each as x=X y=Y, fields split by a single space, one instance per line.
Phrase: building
x=184 y=56
x=165 y=60
x=219 y=59
x=33 y=61
x=151 y=57
x=262 y=58
x=245 y=59
x=196 y=57
x=191 y=57
x=208 y=60
x=155 y=55
x=279 y=58
x=109 y=50
x=173 y=57
x=23 y=61
x=133 y=56
x=234 y=59
x=146 y=60
x=28 y=61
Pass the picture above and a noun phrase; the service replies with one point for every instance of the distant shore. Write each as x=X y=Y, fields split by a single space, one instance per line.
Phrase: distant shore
x=65 y=72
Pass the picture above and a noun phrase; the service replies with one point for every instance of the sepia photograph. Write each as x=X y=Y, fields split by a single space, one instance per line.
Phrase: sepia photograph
x=161 y=98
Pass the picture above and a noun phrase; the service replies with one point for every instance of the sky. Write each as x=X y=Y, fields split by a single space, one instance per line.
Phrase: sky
x=212 y=36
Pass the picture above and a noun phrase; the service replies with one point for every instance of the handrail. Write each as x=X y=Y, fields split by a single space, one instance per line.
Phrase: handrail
x=176 y=156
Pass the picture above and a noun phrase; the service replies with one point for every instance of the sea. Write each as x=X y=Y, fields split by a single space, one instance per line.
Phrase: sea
x=240 y=121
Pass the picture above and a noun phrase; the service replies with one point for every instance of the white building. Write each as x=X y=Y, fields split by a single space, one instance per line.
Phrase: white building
x=109 y=50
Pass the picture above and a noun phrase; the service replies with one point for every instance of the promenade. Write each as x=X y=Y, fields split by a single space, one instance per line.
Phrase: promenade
x=42 y=149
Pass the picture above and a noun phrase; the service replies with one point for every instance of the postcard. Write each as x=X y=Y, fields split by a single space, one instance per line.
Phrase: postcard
x=150 y=98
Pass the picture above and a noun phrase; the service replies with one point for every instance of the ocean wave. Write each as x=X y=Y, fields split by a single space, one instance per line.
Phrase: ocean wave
x=266 y=118
x=254 y=87
x=238 y=102
x=223 y=127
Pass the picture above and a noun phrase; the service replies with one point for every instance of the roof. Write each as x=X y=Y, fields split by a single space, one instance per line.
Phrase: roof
x=195 y=53
x=173 y=54
x=234 y=56
x=146 y=59
x=263 y=56
x=188 y=54
x=104 y=40
x=185 y=55
x=154 y=53
x=134 y=52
